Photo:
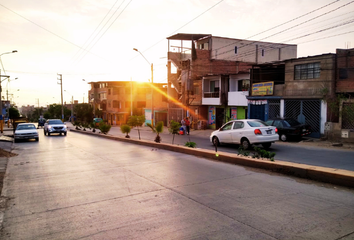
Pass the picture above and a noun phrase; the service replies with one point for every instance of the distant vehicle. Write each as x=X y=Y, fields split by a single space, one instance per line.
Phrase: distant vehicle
x=96 y=121
x=54 y=126
x=245 y=132
x=289 y=128
x=41 y=122
x=25 y=131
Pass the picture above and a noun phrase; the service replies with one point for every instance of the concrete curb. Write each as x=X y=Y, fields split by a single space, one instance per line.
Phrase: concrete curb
x=322 y=174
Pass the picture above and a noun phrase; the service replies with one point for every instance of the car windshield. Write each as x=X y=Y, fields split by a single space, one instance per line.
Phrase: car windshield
x=291 y=122
x=55 y=122
x=257 y=123
x=25 y=127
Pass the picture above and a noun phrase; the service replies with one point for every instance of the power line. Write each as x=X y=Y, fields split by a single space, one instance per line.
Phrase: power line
x=107 y=28
x=96 y=29
x=46 y=29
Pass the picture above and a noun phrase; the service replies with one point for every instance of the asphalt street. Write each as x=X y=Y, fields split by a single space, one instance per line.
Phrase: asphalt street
x=83 y=187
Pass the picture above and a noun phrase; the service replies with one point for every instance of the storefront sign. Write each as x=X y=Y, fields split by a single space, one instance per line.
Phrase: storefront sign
x=257 y=102
x=262 y=89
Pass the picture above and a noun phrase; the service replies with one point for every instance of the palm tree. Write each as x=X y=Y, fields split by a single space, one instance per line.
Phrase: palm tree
x=157 y=129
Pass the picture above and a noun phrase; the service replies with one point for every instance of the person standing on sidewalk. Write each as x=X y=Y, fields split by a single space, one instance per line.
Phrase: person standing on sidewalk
x=187 y=126
x=183 y=122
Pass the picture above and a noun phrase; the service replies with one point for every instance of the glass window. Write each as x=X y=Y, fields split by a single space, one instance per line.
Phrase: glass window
x=257 y=123
x=307 y=71
x=227 y=126
x=278 y=124
x=238 y=125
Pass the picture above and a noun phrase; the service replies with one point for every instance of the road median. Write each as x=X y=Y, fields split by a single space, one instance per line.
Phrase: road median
x=321 y=174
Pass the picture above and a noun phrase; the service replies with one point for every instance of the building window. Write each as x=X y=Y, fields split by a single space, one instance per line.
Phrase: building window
x=115 y=104
x=343 y=73
x=307 y=71
x=109 y=91
x=109 y=104
x=262 y=52
x=236 y=49
x=141 y=104
x=243 y=85
x=214 y=86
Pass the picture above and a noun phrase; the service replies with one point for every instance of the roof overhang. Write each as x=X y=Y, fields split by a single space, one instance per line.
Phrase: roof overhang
x=188 y=36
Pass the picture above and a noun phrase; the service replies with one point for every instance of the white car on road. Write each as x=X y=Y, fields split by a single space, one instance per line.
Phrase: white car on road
x=245 y=132
x=25 y=131
x=54 y=126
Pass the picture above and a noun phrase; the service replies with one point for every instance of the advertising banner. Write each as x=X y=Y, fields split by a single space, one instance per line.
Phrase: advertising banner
x=262 y=89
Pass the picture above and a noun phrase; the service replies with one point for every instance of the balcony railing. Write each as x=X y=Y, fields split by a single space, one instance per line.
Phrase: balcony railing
x=211 y=94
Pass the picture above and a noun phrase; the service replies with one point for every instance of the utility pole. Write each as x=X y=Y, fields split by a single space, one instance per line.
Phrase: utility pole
x=61 y=91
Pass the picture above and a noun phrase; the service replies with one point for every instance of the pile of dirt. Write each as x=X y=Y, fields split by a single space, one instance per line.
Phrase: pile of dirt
x=4 y=153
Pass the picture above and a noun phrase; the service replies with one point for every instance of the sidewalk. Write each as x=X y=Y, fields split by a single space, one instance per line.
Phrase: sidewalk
x=306 y=141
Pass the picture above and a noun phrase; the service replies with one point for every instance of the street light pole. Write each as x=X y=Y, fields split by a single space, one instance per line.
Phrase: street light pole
x=152 y=89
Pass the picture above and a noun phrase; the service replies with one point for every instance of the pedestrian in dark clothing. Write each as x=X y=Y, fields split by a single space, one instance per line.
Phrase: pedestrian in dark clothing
x=187 y=122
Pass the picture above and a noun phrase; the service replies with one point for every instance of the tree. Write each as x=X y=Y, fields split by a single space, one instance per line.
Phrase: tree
x=174 y=128
x=13 y=113
x=136 y=121
x=84 y=112
x=54 y=111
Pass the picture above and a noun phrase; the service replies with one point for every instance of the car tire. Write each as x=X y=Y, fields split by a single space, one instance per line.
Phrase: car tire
x=65 y=134
x=266 y=145
x=245 y=144
x=283 y=137
x=216 y=141
x=48 y=133
x=37 y=139
x=15 y=140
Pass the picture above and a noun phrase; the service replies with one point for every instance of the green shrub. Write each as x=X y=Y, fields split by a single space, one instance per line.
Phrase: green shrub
x=125 y=129
x=190 y=144
x=104 y=127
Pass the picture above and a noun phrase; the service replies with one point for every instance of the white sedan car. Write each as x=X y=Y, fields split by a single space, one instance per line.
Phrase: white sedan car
x=25 y=131
x=245 y=132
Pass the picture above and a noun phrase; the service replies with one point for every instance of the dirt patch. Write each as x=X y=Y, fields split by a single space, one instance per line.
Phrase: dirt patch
x=4 y=153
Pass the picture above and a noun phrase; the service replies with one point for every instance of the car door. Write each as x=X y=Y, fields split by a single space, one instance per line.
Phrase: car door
x=224 y=133
x=237 y=131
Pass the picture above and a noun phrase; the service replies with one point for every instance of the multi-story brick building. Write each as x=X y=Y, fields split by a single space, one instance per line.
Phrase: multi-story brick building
x=315 y=90
x=210 y=77
x=120 y=99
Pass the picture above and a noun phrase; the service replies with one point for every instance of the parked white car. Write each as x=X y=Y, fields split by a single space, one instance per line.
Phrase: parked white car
x=245 y=132
x=54 y=126
x=25 y=131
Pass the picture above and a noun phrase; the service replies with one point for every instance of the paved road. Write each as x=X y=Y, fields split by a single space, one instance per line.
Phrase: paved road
x=77 y=187
x=291 y=152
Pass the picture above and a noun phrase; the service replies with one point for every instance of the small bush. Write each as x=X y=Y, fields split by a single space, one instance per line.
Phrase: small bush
x=190 y=144
x=104 y=127
x=125 y=129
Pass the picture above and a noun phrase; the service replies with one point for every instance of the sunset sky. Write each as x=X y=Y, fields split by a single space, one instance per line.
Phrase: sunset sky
x=94 y=40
